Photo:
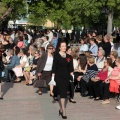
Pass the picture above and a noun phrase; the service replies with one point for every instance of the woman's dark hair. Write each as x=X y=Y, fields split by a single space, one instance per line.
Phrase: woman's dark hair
x=50 y=45
x=24 y=51
x=109 y=61
x=42 y=49
x=26 y=36
x=82 y=61
x=93 y=39
x=84 y=40
x=68 y=47
x=17 y=50
x=20 y=38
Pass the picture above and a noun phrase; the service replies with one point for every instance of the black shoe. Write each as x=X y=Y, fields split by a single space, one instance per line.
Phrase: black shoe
x=55 y=99
x=29 y=84
x=64 y=117
x=60 y=113
x=91 y=97
x=51 y=95
x=8 y=81
x=96 y=99
x=1 y=98
x=72 y=101
x=17 y=81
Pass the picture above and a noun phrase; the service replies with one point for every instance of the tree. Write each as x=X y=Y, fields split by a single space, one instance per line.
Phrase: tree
x=12 y=9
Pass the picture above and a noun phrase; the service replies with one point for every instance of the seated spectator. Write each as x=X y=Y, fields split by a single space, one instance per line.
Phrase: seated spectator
x=98 y=80
x=83 y=46
x=113 y=56
x=20 y=44
x=94 y=47
x=33 y=67
x=25 y=40
x=115 y=77
x=112 y=83
x=23 y=64
x=54 y=40
x=15 y=61
x=99 y=60
x=91 y=72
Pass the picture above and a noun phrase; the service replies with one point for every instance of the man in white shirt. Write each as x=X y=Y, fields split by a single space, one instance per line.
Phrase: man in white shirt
x=29 y=37
x=50 y=35
x=46 y=42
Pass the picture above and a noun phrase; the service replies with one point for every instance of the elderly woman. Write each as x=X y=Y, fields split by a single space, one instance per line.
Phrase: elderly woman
x=94 y=89
x=99 y=60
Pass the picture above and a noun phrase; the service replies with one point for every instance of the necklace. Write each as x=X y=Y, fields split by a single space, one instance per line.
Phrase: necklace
x=63 y=54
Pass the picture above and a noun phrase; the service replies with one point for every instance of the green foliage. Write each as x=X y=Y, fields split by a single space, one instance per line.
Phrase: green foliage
x=12 y=9
x=73 y=12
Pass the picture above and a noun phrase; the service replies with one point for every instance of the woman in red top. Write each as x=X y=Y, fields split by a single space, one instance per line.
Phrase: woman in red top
x=94 y=87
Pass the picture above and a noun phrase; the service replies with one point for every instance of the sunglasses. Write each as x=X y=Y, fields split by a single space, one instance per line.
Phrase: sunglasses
x=50 y=48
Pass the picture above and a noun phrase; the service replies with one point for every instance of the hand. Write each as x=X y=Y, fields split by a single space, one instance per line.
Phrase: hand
x=97 y=78
x=106 y=81
x=79 y=78
x=17 y=66
x=39 y=74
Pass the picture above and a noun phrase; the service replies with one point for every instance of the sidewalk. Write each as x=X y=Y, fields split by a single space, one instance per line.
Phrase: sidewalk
x=21 y=102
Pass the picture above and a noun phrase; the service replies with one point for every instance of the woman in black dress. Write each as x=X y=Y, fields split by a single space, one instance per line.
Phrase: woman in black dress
x=61 y=71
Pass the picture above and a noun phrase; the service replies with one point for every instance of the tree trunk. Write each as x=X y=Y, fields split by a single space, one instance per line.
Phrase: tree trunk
x=109 y=23
x=6 y=14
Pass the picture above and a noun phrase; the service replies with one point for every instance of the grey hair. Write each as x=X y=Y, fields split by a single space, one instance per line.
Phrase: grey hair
x=103 y=52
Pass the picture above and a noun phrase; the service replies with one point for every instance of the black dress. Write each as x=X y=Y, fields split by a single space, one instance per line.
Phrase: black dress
x=62 y=67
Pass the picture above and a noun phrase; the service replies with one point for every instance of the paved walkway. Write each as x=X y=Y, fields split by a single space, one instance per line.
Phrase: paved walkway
x=23 y=103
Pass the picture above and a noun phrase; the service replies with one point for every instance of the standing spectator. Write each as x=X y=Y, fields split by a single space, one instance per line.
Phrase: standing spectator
x=50 y=35
x=46 y=42
x=107 y=45
x=77 y=35
x=99 y=41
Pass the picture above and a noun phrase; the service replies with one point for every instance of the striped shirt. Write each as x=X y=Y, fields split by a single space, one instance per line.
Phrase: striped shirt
x=90 y=73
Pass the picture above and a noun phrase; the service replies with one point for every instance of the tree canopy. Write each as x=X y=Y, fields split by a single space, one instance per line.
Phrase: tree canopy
x=12 y=9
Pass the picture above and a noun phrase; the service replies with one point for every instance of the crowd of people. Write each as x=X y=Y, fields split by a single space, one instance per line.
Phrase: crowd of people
x=46 y=59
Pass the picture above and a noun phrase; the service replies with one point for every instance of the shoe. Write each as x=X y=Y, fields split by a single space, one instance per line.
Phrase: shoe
x=8 y=81
x=96 y=99
x=91 y=97
x=60 y=113
x=17 y=81
x=118 y=107
x=1 y=98
x=72 y=101
x=29 y=84
x=55 y=99
x=64 y=117
x=105 y=102
x=40 y=93
x=51 y=95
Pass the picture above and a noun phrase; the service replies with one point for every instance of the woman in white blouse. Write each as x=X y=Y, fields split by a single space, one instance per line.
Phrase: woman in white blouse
x=44 y=68
x=84 y=46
